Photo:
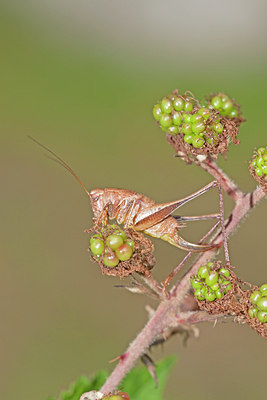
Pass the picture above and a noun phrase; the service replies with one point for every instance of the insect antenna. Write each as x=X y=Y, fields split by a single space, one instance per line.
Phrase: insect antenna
x=61 y=162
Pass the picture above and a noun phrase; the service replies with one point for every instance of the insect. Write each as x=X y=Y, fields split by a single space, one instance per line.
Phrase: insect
x=139 y=212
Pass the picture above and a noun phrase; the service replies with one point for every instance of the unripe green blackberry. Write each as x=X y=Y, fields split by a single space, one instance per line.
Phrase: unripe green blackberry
x=263 y=289
x=218 y=127
x=196 y=283
x=96 y=245
x=123 y=252
x=188 y=106
x=225 y=106
x=166 y=105
x=210 y=295
x=212 y=278
x=187 y=118
x=196 y=130
x=186 y=128
x=225 y=272
x=176 y=118
x=198 y=127
x=255 y=296
x=178 y=104
x=252 y=312
x=258 y=299
x=233 y=113
x=219 y=293
x=188 y=138
x=209 y=284
x=262 y=304
x=173 y=130
x=216 y=102
x=198 y=141
x=262 y=316
x=196 y=118
x=157 y=112
x=204 y=112
x=105 y=245
x=110 y=259
x=203 y=272
x=165 y=120
x=258 y=167
x=114 y=241
x=198 y=294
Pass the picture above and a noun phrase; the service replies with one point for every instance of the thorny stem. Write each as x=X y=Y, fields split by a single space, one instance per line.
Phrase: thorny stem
x=168 y=313
x=226 y=183
x=241 y=210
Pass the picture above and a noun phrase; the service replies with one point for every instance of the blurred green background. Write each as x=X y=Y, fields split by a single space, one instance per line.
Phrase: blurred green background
x=82 y=77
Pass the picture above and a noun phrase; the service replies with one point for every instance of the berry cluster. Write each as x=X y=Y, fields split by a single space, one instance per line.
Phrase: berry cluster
x=222 y=103
x=258 y=299
x=259 y=162
x=113 y=248
x=197 y=129
x=121 y=252
x=210 y=284
x=178 y=114
x=258 y=167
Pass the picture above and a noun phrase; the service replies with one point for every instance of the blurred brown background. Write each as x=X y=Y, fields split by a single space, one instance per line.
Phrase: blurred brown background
x=82 y=77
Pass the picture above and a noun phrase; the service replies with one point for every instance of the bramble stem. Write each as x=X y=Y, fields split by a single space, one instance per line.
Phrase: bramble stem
x=226 y=183
x=168 y=313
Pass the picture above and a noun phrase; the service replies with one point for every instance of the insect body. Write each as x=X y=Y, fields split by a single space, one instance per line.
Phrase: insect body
x=140 y=213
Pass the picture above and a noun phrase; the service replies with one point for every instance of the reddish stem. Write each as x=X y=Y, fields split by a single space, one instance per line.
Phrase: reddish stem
x=168 y=313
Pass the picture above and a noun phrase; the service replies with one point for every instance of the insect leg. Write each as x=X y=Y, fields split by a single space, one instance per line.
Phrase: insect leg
x=166 y=282
x=197 y=217
x=153 y=215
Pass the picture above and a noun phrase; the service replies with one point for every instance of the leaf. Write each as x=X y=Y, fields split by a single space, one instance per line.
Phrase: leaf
x=83 y=384
x=140 y=385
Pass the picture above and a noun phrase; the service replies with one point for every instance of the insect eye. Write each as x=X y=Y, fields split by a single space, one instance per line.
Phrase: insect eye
x=96 y=198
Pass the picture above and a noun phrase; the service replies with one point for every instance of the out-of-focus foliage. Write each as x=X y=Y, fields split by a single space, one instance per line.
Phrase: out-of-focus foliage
x=138 y=383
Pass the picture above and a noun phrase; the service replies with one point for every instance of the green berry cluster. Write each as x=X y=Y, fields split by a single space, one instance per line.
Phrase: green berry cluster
x=259 y=162
x=223 y=103
x=182 y=115
x=258 y=299
x=210 y=284
x=113 y=248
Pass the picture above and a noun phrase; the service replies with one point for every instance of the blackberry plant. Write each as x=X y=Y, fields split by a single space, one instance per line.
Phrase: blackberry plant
x=210 y=290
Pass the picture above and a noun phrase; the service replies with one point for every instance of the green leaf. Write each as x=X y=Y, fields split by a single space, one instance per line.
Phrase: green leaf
x=83 y=384
x=140 y=385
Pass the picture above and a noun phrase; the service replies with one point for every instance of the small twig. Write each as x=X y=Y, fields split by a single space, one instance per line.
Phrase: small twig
x=226 y=183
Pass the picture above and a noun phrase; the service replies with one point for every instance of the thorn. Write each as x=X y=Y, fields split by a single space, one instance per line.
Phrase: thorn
x=121 y=357
x=215 y=322
x=149 y=363
x=150 y=310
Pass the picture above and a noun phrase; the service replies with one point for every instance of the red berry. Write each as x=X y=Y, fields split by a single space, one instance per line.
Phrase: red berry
x=124 y=252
